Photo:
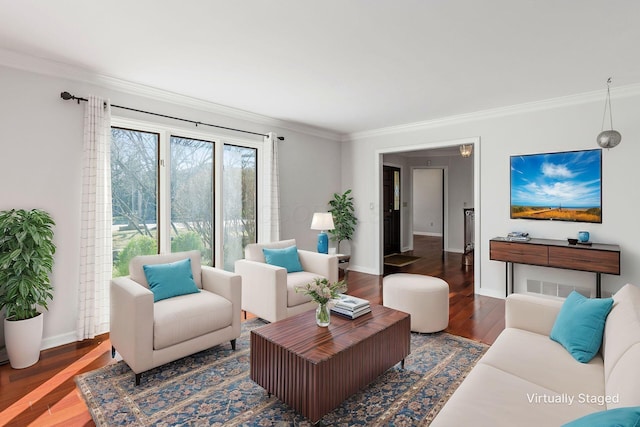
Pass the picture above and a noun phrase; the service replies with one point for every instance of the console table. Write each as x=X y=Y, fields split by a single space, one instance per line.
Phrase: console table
x=595 y=258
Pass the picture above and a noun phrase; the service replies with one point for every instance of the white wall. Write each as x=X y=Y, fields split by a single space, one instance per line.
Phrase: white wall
x=565 y=124
x=459 y=188
x=309 y=176
x=427 y=202
x=460 y=197
x=40 y=167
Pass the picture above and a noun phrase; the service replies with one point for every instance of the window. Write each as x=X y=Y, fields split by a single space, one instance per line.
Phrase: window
x=240 y=201
x=134 y=189
x=164 y=194
x=192 y=196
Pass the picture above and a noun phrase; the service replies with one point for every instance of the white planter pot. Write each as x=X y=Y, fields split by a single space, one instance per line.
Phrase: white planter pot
x=23 y=339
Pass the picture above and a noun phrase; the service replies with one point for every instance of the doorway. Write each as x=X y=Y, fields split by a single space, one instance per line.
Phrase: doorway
x=428 y=197
x=436 y=154
x=391 y=205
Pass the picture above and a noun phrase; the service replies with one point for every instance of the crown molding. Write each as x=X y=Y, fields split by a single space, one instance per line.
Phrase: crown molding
x=565 y=101
x=57 y=69
x=53 y=68
x=34 y=64
x=210 y=107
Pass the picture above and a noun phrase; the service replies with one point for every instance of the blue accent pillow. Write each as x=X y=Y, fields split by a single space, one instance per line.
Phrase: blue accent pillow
x=619 y=417
x=285 y=258
x=170 y=280
x=580 y=324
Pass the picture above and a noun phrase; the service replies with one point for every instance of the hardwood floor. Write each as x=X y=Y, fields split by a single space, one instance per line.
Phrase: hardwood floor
x=472 y=316
x=45 y=394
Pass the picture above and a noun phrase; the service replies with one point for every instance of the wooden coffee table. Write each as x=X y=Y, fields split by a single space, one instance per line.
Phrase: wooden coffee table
x=314 y=369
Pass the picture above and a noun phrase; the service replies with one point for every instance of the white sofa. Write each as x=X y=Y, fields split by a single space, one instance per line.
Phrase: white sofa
x=269 y=292
x=526 y=379
x=148 y=334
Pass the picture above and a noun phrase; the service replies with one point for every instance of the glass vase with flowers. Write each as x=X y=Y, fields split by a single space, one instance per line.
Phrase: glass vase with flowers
x=322 y=292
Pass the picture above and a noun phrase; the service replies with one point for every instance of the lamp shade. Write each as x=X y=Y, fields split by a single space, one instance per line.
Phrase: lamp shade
x=322 y=221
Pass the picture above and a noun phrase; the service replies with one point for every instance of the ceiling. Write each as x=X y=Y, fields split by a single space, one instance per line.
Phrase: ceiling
x=344 y=66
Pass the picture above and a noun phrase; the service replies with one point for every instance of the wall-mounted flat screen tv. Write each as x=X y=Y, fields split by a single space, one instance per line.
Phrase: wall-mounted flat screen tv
x=564 y=186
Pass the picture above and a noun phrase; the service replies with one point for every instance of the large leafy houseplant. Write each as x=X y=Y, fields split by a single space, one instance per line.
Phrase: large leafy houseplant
x=26 y=261
x=344 y=219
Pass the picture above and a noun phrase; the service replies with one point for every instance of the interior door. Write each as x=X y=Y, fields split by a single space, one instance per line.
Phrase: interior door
x=391 y=206
x=428 y=202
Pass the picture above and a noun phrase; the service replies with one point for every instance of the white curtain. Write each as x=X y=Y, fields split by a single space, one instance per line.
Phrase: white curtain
x=271 y=190
x=96 y=219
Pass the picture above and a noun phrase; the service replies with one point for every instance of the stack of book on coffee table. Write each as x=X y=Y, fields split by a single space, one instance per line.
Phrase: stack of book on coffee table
x=351 y=306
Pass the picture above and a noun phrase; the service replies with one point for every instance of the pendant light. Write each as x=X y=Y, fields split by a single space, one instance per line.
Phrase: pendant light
x=465 y=150
x=608 y=138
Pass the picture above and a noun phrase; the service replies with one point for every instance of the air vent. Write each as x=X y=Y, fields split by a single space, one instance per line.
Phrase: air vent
x=557 y=289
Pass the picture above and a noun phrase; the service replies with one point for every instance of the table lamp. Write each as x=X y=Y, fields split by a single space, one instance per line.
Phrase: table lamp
x=322 y=221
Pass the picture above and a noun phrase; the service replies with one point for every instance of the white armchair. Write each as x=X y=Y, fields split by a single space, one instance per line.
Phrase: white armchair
x=148 y=334
x=269 y=291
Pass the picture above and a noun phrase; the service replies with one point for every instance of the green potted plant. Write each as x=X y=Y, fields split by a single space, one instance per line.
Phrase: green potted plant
x=344 y=219
x=26 y=261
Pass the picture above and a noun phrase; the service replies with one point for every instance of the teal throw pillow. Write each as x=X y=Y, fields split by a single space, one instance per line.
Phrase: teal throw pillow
x=580 y=324
x=285 y=258
x=170 y=280
x=619 y=417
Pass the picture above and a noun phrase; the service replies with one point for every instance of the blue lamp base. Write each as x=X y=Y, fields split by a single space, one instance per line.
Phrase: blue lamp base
x=323 y=243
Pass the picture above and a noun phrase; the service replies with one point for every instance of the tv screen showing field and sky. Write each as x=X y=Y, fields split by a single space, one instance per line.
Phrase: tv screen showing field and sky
x=564 y=186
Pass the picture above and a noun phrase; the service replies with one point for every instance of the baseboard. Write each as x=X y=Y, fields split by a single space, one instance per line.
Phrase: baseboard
x=490 y=293
x=427 y=233
x=361 y=269
x=58 y=340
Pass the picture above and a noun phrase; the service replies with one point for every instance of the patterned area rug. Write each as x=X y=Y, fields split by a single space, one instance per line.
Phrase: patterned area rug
x=213 y=388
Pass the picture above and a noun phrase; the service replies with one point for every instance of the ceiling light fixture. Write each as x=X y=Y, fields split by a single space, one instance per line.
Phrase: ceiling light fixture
x=608 y=138
x=465 y=150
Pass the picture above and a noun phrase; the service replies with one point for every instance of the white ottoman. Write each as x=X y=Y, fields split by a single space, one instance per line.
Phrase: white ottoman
x=425 y=298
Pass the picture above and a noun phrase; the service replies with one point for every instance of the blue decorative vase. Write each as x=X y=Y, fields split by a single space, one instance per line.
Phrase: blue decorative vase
x=583 y=236
x=323 y=243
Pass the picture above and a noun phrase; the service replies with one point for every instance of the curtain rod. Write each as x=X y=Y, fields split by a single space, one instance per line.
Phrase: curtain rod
x=67 y=96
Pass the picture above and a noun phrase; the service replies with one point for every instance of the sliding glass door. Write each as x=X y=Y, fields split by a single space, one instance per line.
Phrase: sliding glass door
x=240 y=200
x=134 y=188
x=192 y=196
x=163 y=189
